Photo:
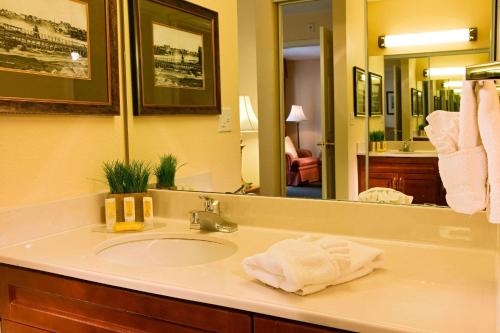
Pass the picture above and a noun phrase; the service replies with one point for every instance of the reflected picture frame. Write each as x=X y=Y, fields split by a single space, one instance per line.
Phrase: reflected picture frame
x=359 y=78
x=66 y=64
x=375 y=91
x=175 y=58
x=390 y=103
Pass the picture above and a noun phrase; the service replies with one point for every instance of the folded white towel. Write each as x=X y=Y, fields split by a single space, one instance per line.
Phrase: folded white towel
x=309 y=264
x=468 y=124
x=489 y=125
x=385 y=195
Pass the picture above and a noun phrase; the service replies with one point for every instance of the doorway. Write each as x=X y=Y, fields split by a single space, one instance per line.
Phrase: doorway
x=306 y=82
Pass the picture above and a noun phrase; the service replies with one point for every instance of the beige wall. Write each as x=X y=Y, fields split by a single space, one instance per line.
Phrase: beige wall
x=247 y=44
x=349 y=51
x=212 y=158
x=407 y=16
x=296 y=26
x=303 y=87
x=47 y=158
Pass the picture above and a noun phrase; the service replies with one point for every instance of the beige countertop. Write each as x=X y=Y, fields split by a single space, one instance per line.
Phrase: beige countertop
x=396 y=153
x=420 y=288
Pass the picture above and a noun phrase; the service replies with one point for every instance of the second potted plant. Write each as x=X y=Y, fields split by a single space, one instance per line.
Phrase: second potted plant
x=165 y=172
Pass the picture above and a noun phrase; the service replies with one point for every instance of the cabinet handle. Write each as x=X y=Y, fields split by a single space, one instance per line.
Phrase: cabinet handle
x=400 y=184
x=395 y=183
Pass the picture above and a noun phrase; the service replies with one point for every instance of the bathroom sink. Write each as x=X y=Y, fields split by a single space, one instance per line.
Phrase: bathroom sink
x=165 y=250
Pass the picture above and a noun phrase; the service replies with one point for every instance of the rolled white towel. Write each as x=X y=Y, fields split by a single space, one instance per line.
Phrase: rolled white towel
x=464 y=176
x=489 y=126
x=385 y=195
x=308 y=265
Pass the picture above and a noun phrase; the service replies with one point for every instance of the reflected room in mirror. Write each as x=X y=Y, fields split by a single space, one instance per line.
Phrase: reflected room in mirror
x=318 y=122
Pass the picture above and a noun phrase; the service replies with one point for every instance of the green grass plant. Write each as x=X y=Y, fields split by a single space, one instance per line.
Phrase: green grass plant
x=127 y=178
x=166 y=170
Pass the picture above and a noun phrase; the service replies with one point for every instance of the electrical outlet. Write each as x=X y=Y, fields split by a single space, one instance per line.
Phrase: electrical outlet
x=311 y=27
x=226 y=120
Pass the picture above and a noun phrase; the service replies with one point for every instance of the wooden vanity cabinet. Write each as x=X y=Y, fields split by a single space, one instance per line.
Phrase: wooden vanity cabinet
x=37 y=302
x=415 y=176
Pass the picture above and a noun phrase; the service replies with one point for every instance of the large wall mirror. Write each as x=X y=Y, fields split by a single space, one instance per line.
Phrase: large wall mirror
x=333 y=100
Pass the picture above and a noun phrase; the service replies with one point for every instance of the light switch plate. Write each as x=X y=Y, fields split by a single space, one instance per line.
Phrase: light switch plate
x=226 y=120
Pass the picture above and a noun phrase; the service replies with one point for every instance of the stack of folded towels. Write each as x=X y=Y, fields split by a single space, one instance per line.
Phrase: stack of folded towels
x=468 y=148
x=311 y=264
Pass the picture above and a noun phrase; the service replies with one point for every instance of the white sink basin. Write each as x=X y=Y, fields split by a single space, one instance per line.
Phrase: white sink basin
x=165 y=250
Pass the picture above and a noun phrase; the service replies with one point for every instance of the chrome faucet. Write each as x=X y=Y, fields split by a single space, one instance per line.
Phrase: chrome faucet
x=209 y=219
x=406 y=147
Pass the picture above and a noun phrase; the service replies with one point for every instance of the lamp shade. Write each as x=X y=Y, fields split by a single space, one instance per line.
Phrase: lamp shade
x=296 y=114
x=248 y=119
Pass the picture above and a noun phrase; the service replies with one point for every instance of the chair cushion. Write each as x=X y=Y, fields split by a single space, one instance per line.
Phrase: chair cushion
x=301 y=162
x=290 y=148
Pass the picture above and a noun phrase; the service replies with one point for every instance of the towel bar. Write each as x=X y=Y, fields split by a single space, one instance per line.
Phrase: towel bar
x=489 y=71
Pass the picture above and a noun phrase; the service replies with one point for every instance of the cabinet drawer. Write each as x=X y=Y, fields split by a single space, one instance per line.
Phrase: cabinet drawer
x=12 y=327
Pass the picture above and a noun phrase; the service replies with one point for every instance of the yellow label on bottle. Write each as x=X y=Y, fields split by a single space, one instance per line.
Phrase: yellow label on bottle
x=129 y=209
x=148 y=207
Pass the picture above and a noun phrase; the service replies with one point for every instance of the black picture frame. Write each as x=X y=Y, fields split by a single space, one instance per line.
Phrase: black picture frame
x=182 y=92
x=375 y=91
x=390 y=103
x=359 y=78
x=416 y=102
x=101 y=48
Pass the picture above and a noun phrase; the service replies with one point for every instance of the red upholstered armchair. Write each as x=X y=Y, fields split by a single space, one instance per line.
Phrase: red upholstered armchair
x=303 y=169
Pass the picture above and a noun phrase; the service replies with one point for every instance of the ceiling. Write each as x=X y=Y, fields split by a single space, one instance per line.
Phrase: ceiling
x=302 y=53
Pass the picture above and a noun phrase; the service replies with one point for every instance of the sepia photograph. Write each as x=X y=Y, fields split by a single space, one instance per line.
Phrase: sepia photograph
x=178 y=58
x=45 y=37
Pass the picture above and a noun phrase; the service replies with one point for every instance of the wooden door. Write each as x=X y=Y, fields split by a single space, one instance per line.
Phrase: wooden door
x=327 y=115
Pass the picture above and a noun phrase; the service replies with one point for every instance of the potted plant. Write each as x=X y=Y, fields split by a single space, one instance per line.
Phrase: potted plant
x=377 y=142
x=127 y=180
x=165 y=172
x=421 y=130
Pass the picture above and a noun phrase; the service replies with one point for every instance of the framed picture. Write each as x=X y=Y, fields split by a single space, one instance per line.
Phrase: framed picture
x=390 y=102
x=359 y=78
x=59 y=56
x=437 y=103
x=416 y=102
x=175 y=58
x=375 y=88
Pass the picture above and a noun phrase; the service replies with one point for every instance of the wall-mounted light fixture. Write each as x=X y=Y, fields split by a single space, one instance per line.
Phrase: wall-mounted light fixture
x=444 y=72
x=428 y=38
x=453 y=84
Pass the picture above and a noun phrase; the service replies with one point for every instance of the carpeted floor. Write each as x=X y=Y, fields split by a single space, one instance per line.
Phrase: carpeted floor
x=311 y=191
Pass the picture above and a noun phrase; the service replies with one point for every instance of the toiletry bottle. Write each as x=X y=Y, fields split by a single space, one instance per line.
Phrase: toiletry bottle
x=129 y=209
x=110 y=210
x=147 y=204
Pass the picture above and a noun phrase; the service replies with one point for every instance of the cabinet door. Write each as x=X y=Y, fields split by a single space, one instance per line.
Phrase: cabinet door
x=378 y=179
x=263 y=324
x=12 y=327
x=59 y=304
x=425 y=189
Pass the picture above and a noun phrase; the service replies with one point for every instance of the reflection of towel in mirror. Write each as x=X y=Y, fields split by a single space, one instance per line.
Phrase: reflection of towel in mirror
x=310 y=264
x=385 y=195
x=489 y=125
x=462 y=159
